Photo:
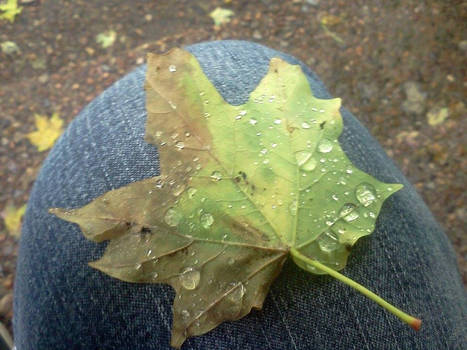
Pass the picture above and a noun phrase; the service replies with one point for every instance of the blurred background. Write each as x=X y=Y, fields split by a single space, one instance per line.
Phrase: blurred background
x=399 y=66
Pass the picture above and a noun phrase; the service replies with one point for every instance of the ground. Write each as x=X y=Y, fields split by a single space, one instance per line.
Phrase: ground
x=398 y=65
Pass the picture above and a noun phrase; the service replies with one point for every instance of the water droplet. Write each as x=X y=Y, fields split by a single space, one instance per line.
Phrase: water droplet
x=277 y=121
x=310 y=165
x=237 y=294
x=190 y=278
x=263 y=151
x=321 y=110
x=138 y=266
x=158 y=133
x=180 y=145
x=349 y=171
x=242 y=112
x=253 y=121
x=335 y=197
x=305 y=125
x=173 y=105
x=325 y=146
x=258 y=134
x=231 y=261
x=155 y=275
x=206 y=220
x=238 y=117
x=206 y=115
x=185 y=314
x=149 y=253
x=274 y=145
x=216 y=175
x=302 y=157
x=372 y=215
x=191 y=192
x=365 y=194
x=172 y=217
x=328 y=242
x=293 y=207
x=178 y=190
x=172 y=68
x=349 y=212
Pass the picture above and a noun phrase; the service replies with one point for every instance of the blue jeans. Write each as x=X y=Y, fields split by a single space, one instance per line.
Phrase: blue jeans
x=62 y=303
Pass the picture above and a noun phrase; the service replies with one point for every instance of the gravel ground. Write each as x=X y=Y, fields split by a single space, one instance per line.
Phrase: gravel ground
x=397 y=65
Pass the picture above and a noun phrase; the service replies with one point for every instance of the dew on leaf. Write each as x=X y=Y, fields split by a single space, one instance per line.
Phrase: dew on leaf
x=277 y=121
x=172 y=68
x=155 y=275
x=180 y=145
x=191 y=192
x=310 y=165
x=185 y=313
x=328 y=242
x=302 y=157
x=349 y=212
x=293 y=207
x=190 y=278
x=365 y=193
x=305 y=125
x=172 y=217
x=231 y=261
x=178 y=190
x=325 y=146
x=216 y=175
x=253 y=121
x=206 y=220
x=238 y=293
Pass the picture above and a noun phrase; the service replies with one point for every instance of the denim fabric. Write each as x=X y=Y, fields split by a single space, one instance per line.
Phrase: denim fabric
x=62 y=303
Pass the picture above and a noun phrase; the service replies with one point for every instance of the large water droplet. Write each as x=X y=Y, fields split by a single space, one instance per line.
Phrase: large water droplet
x=216 y=175
x=328 y=242
x=206 y=220
x=349 y=212
x=302 y=157
x=180 y=145
x=365 y=193
x=237 y=294
x=325 y=146
x=190 y=278
x=293 y=207
x=310 y=165
x=172 y=217
x=191 y=192
x=178 y=190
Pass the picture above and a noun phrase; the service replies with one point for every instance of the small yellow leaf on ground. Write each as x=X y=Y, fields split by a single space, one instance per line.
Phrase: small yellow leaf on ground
x=48 y=130
x=437 y=116
x=9 y=10
x=221 y=16
x=12 y=217
x=9 y=47
x=107 y=38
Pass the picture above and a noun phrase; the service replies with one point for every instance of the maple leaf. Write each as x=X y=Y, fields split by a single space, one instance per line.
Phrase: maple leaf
x=10 y=10
x=241 y=188
x=221 y=16
x=12 y=217
x=48 y=130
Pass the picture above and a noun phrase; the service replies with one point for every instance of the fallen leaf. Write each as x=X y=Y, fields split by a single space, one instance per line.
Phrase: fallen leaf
x=221 y=16
x=10 y=48
x=241 y=188
x=107 y=38
x=328 y=21
x=9 y=10
x=437 y=116
x=48 y=130
x=12 y=217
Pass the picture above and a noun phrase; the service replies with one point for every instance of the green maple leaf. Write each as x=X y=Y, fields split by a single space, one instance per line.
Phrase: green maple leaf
x=9 y=10
x=241 y=188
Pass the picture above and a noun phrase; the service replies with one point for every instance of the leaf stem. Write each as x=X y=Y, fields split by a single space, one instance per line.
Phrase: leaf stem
x=414 y=322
